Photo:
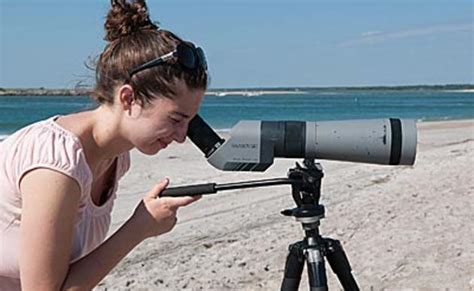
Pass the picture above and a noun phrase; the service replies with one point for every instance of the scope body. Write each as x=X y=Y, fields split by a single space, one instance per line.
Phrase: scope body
x=253 y=145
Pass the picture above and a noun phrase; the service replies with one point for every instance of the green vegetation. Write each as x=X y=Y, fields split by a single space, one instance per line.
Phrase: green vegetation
x=43 y=92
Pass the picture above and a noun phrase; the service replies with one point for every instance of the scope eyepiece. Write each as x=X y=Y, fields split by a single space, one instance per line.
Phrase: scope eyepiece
x=203 y=136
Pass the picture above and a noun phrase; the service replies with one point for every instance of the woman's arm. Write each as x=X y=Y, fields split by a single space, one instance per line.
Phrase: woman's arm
x=46 y=233
x=49 y=206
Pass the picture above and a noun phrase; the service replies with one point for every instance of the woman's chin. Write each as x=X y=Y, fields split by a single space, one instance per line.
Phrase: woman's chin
x=149 y=152
x=152 y=149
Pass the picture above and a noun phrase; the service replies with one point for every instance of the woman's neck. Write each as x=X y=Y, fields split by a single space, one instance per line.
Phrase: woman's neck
x=105 y=141
x=100 y=135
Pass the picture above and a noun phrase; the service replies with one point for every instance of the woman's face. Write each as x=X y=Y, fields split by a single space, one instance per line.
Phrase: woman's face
x=164 y=120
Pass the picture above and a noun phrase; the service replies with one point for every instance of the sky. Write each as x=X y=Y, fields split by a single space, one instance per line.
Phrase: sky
x=255 y=43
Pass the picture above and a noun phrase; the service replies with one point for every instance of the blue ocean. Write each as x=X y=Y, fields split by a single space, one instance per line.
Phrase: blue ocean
x=222 y=112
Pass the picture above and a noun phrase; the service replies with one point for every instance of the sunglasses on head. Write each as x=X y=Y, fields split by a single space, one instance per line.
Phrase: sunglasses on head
x=187 y=55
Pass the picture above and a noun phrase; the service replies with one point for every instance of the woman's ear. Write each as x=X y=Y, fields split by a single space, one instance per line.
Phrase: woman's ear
x=127 y=101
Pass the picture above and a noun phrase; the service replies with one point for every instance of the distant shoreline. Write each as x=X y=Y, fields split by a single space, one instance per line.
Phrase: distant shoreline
x=461 y=88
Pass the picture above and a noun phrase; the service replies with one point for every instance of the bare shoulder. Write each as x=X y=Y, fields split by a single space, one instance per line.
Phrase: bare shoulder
x=48 y=182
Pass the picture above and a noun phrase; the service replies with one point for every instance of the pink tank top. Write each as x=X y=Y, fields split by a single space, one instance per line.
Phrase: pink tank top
x=46 y=144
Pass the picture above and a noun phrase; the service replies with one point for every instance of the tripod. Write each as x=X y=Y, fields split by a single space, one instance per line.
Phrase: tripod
x=313 y=249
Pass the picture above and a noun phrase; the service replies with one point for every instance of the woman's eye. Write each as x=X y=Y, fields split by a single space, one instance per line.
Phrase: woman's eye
x=175 y=120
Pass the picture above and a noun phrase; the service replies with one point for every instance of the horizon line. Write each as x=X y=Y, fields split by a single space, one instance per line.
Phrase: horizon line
x=262 y=87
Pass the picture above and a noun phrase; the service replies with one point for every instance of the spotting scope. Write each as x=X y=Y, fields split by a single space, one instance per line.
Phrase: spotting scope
x=253 y=145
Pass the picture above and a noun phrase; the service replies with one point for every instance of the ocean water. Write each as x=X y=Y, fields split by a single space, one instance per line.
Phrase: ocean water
x=222 y=112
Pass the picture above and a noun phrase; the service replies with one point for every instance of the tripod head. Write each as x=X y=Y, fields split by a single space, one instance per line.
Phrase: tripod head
x=306 y=189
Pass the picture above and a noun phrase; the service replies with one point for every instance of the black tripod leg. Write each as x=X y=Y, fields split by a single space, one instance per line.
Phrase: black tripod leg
x=293 y=267
x=340 y=264
x=316 y=270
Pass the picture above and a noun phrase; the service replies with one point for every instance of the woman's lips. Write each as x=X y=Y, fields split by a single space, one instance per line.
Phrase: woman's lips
x=162 y=144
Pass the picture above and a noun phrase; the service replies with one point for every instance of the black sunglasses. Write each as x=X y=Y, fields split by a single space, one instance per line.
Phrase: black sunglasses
x=187 y=55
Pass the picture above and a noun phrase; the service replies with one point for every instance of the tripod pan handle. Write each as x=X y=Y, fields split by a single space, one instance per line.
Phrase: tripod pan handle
x=200 y=189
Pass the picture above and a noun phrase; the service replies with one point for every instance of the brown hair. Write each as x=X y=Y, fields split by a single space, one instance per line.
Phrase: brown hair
x=133 y=40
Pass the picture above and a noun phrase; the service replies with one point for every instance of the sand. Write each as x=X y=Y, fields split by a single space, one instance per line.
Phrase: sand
x=408 y=227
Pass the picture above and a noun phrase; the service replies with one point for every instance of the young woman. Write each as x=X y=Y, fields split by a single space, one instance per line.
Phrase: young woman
x=58 y=177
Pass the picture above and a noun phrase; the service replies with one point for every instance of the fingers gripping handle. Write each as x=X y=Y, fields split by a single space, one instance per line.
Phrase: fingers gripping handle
x=200 y=189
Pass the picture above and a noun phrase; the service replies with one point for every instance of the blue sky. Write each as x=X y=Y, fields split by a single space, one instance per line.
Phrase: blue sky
x=255 y=43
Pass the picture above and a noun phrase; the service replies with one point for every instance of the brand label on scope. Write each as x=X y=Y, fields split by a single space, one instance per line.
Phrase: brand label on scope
x=244 y=145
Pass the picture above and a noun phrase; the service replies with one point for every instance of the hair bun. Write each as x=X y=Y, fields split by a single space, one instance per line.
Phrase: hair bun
x=126 y=18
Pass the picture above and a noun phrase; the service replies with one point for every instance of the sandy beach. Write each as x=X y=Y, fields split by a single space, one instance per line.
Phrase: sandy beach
x=407 y=228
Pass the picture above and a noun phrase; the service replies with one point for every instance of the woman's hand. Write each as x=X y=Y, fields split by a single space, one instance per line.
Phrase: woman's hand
x=157 y=215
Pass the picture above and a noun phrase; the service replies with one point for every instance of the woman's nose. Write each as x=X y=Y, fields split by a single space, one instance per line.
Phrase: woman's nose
x=181 y=132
